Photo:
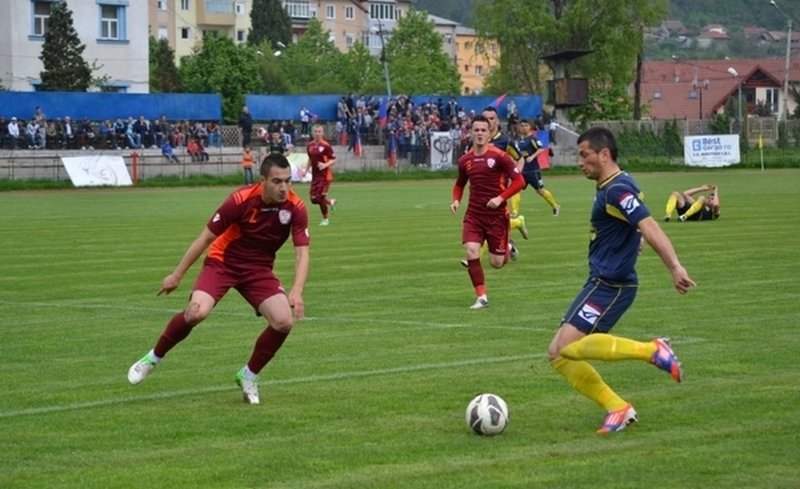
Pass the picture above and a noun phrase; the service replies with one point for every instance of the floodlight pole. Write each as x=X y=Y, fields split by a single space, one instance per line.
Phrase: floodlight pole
x=786 y=66
x=384 y=61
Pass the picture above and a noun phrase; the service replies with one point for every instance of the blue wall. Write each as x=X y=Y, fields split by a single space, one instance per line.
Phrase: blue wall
x=99 y=106
x=281 y=107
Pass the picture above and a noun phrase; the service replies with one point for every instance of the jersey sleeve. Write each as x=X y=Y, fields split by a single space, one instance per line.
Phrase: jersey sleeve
x=513 y=150
x=625 y=202
x=225 y=216
x=300 y=236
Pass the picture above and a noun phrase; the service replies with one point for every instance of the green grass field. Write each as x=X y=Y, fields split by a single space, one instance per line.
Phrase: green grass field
x=370 y=390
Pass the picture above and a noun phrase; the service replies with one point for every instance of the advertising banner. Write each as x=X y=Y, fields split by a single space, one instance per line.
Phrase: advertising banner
x=97 y=170
x=711 y=150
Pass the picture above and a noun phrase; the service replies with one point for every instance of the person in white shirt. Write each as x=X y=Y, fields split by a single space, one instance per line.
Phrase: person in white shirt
x=13 y=132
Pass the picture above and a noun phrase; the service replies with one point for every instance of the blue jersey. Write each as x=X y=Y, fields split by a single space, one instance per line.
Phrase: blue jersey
x=614 y=239
x=505 y=143
x=527 y=146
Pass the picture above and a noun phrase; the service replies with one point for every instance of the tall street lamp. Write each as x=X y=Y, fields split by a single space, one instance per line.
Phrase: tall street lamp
x=697 y=92
x=735 y=74
x=786 y=67
x=379 y=30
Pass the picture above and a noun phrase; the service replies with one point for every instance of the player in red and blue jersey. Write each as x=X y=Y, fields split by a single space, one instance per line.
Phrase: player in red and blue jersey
x=620 y=221
x=242 y=238
x=486 y=169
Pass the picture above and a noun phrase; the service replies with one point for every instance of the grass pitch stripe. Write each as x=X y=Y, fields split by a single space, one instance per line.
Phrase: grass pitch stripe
x=289 y=381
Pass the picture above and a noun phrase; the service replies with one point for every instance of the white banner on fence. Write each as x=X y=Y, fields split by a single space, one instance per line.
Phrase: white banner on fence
x=441 y=151
x=715 y=150
x=298 y=162
x=91 y=171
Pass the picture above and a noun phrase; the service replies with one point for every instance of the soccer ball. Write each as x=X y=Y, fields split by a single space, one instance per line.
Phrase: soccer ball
x=487 y=414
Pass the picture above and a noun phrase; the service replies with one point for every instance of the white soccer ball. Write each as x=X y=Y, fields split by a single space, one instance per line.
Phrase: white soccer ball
x=487 y=414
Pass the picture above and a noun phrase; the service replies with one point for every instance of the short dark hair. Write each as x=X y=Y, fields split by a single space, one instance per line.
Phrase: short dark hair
x=600 y=138
x=490 y=109
x=273 y=159
x=479 y=118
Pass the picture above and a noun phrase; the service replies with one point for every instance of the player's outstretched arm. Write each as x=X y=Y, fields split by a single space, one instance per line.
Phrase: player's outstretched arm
x=656 y=238
x=301 y=266
x=195 y=250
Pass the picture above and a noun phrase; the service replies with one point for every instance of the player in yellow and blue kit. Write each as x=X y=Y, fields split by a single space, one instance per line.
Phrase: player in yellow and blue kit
x=530 y=148
x=620 y=220
x=694 y=207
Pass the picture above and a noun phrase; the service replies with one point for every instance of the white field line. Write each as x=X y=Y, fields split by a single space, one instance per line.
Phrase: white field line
x=289 y=381
x=246 y=313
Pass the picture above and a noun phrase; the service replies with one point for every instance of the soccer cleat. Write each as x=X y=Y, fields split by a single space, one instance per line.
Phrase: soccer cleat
x=480 y=303
x=666 y=218
x=618 y=420
x=665 y=359
x=523 y=230
x=512 y=250
x=556 y=210
x=141 y=369
x=325 y=222
x=332 y=205
x=464 y=264
x=682 y=218
x=249 y=387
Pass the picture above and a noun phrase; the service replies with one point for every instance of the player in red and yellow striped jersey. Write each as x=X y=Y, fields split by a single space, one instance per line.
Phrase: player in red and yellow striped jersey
x=242 y=238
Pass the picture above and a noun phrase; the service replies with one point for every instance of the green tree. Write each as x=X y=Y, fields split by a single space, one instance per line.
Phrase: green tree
x=360 y=72
x=312 y=63
x=269 y=22
x=164 y=75
x=223 y=67
x=527 y=31
x=62 y=54
x=273 y=78
x=417 y=62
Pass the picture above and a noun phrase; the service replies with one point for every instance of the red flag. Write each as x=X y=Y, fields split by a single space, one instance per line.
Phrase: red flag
x=543 y=141
x=392 y=151
x=498 y=101
x=383 y=113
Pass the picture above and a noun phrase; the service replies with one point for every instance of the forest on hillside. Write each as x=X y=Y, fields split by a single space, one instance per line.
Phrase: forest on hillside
x=693 y=13
x=734 y=15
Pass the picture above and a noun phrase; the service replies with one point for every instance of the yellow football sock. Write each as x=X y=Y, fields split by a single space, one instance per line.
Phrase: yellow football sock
x=515 y=222
x=609 y=348
x=672 y=203
x=585 y=379
x=514 y=203
x=694 y=209
x=548 y=197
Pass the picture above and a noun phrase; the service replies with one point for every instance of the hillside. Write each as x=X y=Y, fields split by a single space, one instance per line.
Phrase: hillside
x=693 y=13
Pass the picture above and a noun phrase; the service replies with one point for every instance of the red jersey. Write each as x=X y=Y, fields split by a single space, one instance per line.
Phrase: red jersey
x=320 y=152
x=250 y=232
x=487 y=175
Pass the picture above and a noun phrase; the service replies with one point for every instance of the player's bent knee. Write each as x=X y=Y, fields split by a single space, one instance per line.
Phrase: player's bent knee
x=195 y=314
x=283 y=325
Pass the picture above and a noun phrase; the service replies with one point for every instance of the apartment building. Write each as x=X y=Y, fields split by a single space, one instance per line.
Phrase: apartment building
x=475 y=59
x=113 y=31
x=184 y=23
